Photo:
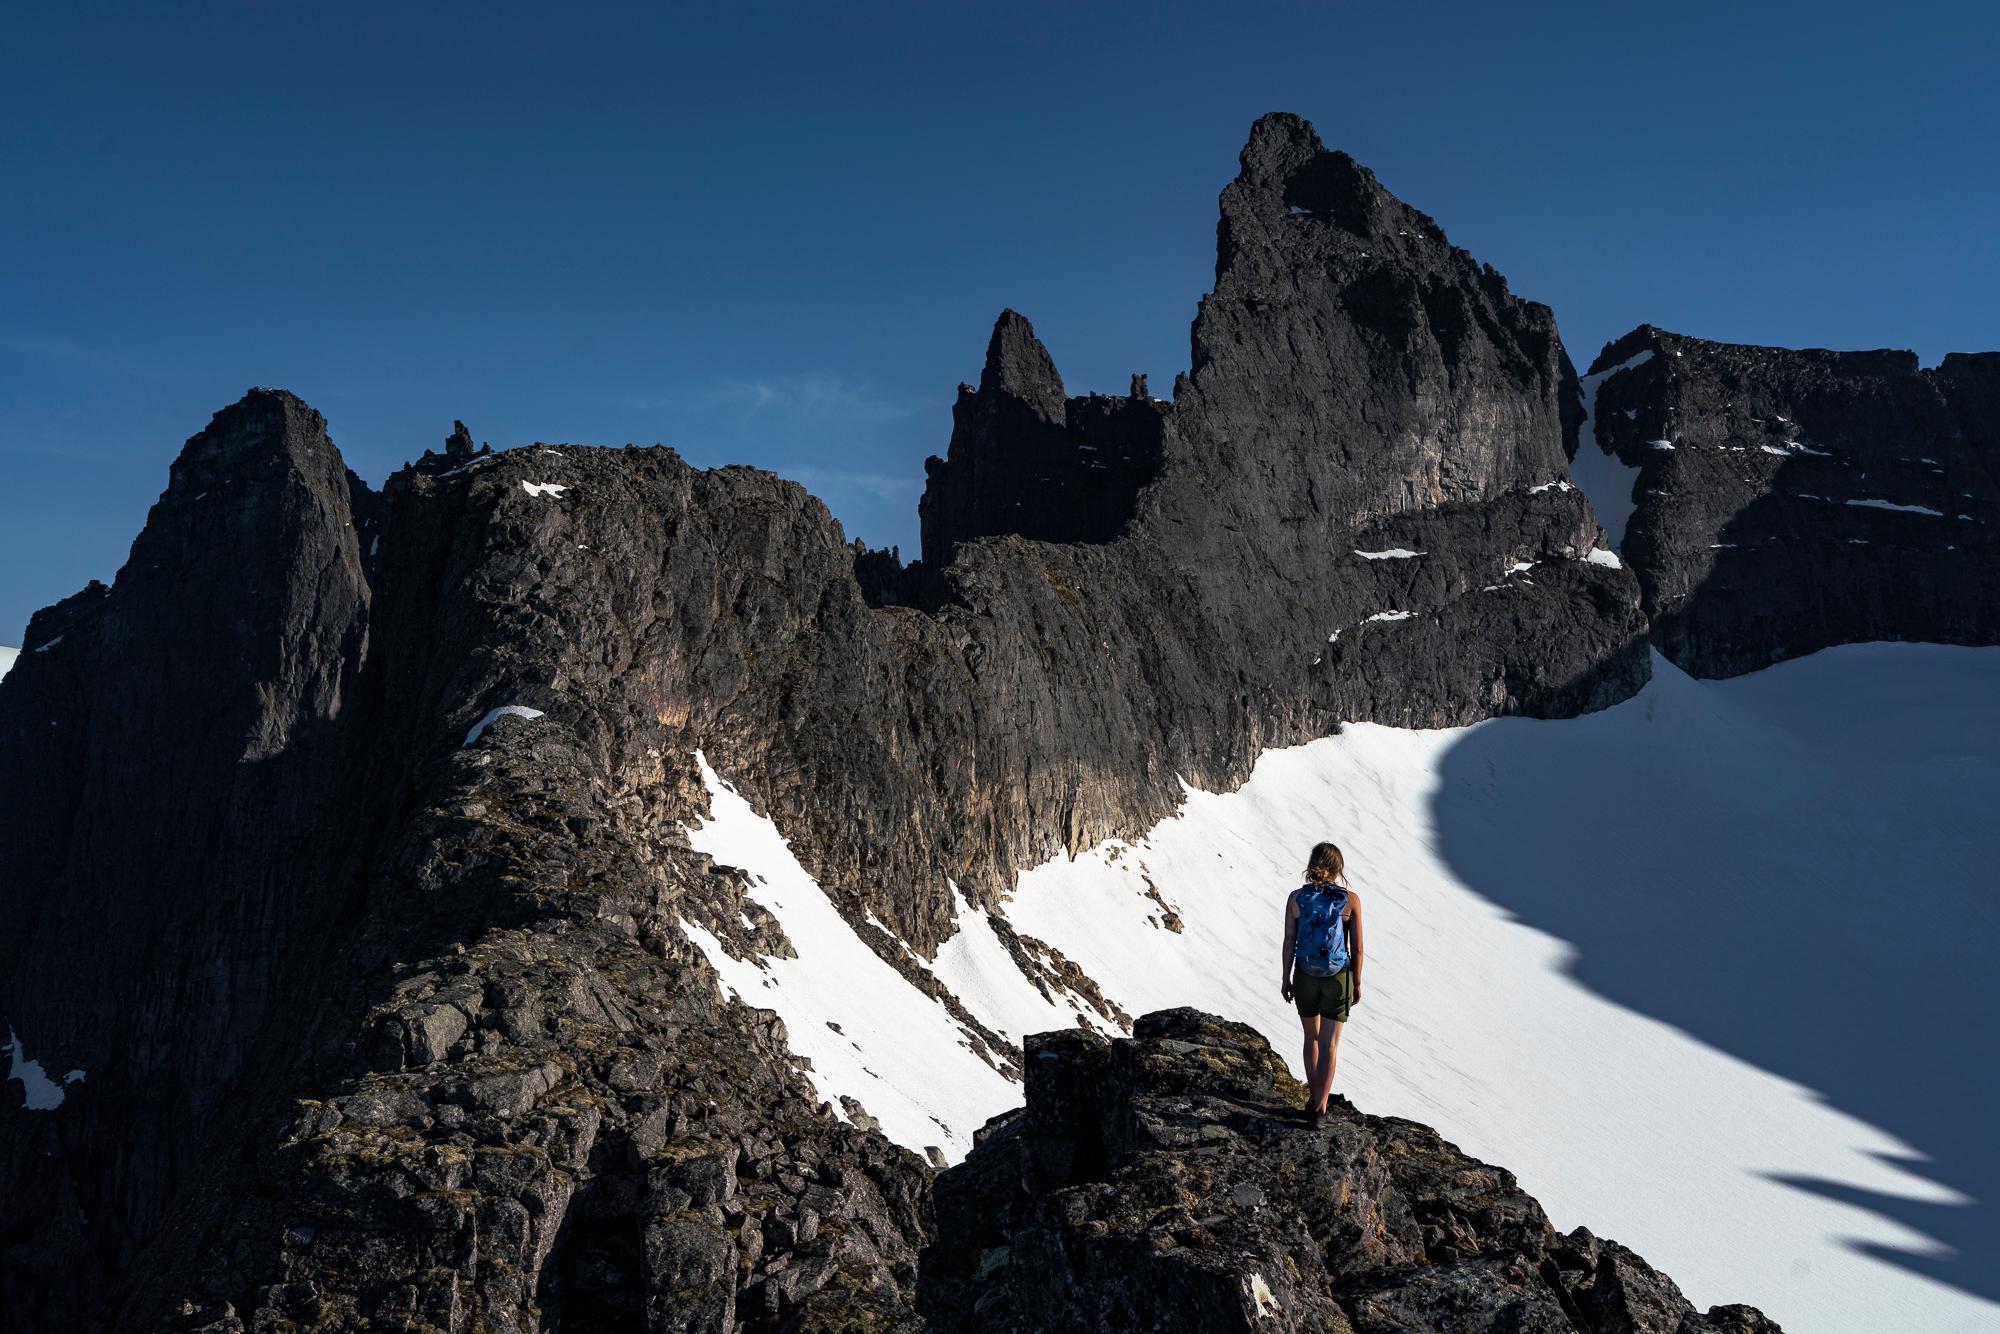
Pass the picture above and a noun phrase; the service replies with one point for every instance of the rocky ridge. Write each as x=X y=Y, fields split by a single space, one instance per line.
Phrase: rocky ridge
x=1788 y=500
x=486 y=1062
x=1170 y=1181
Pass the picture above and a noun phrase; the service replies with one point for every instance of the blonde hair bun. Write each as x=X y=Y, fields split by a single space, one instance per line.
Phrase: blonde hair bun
x=1326 y=865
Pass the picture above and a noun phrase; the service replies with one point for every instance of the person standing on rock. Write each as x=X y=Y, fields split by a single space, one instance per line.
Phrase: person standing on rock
x=1320 y=967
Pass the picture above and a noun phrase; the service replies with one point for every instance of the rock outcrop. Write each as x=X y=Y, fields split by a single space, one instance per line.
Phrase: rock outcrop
x=1025 y=459
x=353 y=871
x=1785 y=501
x=1170 y=1181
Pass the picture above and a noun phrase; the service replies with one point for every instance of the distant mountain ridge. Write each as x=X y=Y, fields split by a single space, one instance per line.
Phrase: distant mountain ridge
x=1784 y=500
x=376 y=908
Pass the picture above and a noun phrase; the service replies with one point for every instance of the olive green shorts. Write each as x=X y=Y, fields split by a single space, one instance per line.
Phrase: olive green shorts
x=1328 y=997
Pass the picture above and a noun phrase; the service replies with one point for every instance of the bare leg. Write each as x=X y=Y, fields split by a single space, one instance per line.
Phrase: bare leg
x=1330 y=1034
x=1311 y=1022
x=1320 y=1068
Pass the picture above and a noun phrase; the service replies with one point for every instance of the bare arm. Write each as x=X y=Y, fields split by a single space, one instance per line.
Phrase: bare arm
x=1291 y=944
x=1354 y=951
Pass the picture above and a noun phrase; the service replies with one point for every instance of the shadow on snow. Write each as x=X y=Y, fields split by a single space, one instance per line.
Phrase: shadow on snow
x=1794 y=867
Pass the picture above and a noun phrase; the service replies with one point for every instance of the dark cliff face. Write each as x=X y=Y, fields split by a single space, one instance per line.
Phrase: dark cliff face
x=1348 y=337
x=381 y=1023
x=1169 y=1181
x=1028 y=460
x=172 y=752
x=1790 y=500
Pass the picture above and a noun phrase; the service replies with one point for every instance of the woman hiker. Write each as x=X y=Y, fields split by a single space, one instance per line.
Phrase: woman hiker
x=1321 y=965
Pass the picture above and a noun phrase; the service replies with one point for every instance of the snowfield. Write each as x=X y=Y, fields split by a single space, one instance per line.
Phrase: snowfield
x=1705 y=969
x=7 y=656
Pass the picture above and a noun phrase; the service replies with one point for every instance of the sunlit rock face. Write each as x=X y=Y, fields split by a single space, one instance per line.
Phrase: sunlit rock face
x=1786 y=500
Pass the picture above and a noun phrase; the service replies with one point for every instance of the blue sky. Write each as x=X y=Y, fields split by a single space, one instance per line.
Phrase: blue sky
x=778 y=235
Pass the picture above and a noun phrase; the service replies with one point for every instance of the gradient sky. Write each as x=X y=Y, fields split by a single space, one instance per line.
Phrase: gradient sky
x=779 y=235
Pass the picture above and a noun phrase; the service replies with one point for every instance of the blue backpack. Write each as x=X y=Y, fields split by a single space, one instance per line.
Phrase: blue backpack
x=1321 y=948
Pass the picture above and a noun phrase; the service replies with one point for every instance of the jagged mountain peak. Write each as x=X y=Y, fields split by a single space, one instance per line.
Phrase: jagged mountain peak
x=1018 y=365
x=1285 y=164
x=265 y=430
x=1279 y=142
x=1326 y=285
x=262 y=414
x=1287 y=173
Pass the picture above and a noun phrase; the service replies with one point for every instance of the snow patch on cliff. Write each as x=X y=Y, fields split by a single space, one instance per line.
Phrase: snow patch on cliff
x=494 y=715
x=1604 y=480
x=977 y=968
x=41 y=1094
x=897 y=1050
x=1892 y=505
